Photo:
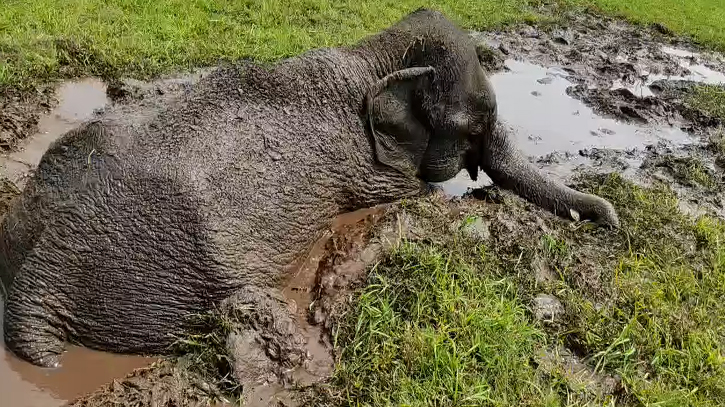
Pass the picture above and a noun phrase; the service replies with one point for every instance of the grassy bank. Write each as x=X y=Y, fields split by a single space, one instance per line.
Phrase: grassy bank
x=450 y=323
x=48 y=39
x=70 y=37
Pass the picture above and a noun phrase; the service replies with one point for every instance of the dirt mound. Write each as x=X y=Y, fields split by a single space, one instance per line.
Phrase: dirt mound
x=166 y=383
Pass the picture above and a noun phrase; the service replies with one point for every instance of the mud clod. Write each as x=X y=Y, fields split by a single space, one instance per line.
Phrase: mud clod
x=19 y=113
x=580 y=378
x=491 y=59
x=8 y=192
x=165 y=383
x=476 y=228
x=548 y=309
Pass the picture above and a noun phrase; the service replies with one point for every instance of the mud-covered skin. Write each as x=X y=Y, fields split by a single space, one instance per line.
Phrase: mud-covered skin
x=138 y=220
x=507 y=167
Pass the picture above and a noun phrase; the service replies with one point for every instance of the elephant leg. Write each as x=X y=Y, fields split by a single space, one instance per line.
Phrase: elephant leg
x=32 y=331
x=266 y=343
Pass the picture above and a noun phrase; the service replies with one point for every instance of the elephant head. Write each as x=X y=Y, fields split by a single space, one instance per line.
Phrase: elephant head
x=434 y=113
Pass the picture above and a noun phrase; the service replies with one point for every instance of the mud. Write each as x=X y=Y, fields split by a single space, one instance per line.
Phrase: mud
x=83 y=370
x=306 y=284
x=77 y=101
x=593 y=94
x=20 y=111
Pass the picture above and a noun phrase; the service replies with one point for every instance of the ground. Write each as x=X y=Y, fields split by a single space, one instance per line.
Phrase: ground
x=472 y=301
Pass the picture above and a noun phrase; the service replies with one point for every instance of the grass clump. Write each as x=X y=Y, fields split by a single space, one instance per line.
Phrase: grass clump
x=662 y=329
x=430 y=330
x=691 y=171
x=709 y=99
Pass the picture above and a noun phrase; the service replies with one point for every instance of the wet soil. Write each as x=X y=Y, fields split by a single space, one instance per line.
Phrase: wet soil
x=20 y=111
x=593 y=94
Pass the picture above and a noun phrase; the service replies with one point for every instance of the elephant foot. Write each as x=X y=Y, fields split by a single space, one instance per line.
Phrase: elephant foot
x=267 y=345
x=40 y=357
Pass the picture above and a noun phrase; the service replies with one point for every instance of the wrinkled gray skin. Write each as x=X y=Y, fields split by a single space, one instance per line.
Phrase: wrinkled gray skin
x=132 y=223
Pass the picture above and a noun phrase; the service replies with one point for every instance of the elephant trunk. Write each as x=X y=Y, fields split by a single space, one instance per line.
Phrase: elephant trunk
x=509 y=169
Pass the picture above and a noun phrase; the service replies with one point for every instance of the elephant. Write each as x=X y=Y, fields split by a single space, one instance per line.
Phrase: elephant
x=136 y=220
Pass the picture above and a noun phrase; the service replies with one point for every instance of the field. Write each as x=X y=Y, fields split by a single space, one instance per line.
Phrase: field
x=60 y=38
x=528 y=309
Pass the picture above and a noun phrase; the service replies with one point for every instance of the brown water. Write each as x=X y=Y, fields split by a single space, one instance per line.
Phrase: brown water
x=77 y=102
x=299 y=293
x=82 y=370
x=532 y=100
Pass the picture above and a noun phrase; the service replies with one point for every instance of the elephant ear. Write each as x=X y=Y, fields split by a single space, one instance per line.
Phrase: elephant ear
x=399 y=135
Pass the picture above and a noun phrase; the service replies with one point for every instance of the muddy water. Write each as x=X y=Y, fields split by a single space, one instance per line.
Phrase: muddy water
x=692 y=61
x=532 y=100
x=82 y=370
x=699 y=71
x=77 y=102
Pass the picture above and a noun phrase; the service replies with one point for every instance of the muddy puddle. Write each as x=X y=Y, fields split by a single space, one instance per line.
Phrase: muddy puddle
x=77 y=101
x=82 y=370
x=545 y=120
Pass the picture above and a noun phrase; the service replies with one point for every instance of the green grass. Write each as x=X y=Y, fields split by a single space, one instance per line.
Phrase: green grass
x=430 y=330
x=447 y=321
x=663 y=329
x=710 y=99
x=691 y=171
x=47 y=39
